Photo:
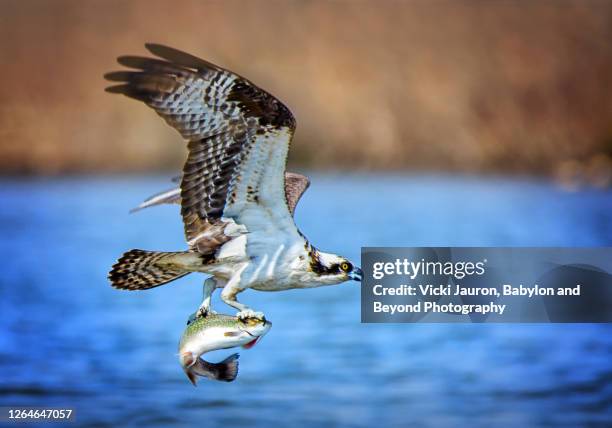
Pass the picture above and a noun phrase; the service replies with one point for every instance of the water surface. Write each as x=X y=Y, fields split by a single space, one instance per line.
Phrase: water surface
x=68 y=339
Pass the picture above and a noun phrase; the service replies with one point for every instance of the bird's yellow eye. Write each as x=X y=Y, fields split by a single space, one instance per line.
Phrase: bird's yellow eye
x=346 y=267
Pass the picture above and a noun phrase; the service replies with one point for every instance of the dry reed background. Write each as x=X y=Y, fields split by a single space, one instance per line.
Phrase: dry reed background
x=478 y=86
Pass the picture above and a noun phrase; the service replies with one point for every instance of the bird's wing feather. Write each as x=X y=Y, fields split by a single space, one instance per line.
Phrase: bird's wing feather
x=238 y=135
x=171 y=196
x=295 y=186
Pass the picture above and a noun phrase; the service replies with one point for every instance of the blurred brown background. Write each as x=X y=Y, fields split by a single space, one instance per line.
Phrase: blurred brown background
x=478 y=86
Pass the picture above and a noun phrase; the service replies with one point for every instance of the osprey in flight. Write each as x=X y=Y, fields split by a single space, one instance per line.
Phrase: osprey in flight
x=236 y=199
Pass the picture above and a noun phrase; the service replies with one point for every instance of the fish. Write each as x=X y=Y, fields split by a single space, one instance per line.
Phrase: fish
x=217 y=331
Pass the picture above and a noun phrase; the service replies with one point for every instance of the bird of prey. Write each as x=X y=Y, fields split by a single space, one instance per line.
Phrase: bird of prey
x=236 y=199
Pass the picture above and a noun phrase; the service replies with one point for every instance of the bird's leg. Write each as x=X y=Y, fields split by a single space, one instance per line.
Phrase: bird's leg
x=228 y=295
x=245 y=312
x=207 y=290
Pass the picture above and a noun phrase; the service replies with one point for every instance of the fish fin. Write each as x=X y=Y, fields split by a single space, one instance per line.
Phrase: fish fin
x=228 y=368
x=141 y=270
x=230 y=334
x=251 y=344
x=225 y=371
x=192 y=377
x=187 y=360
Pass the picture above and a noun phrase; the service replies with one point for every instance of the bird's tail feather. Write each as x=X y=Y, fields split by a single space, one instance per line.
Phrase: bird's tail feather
x=141 y=270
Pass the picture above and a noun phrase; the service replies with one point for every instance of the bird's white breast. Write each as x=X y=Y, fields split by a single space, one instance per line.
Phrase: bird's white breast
x=274 y=266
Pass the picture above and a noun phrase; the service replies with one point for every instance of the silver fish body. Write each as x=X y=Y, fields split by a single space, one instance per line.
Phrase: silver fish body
x=214 y=332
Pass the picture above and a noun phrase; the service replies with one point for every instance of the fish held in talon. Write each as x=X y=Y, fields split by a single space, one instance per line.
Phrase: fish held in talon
x=214 y=332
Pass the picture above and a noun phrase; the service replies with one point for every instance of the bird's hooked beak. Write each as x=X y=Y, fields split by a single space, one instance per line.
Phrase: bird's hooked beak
x=356 y=274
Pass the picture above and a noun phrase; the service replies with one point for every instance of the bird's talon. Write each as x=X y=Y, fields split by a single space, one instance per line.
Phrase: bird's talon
x=200 y=313
x=249 y=313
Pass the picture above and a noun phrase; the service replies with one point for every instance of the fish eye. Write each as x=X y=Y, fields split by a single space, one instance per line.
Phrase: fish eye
x=346 y=267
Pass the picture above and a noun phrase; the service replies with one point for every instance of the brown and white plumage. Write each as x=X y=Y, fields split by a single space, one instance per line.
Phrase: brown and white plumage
x=233 y=127
x=295 y=186
x=236 y=199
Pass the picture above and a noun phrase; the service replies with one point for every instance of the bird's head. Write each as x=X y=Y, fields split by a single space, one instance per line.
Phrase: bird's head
x=332 y=268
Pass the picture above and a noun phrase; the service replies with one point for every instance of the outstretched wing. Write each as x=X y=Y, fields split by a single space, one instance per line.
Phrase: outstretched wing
x=295 y=186
x=238 y=135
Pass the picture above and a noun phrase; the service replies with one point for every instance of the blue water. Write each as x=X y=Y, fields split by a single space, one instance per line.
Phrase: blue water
x=68 y=339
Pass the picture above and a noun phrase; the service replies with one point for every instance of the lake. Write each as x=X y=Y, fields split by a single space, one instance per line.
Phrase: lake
x=68 y=339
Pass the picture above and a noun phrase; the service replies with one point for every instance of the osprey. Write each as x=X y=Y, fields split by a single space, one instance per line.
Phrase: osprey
x=236 y=199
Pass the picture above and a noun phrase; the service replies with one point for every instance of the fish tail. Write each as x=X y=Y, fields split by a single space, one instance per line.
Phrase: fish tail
x=225 y=371
x=141 y=270
x=228 y=368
